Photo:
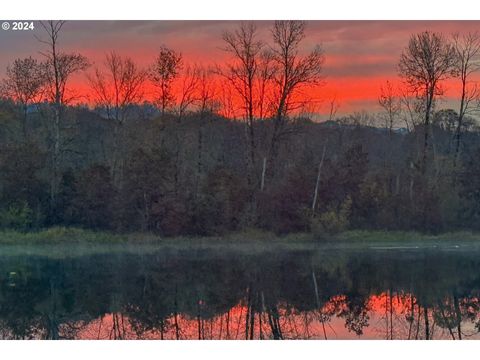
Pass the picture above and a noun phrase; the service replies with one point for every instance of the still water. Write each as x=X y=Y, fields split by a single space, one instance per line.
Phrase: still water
x=211 y=294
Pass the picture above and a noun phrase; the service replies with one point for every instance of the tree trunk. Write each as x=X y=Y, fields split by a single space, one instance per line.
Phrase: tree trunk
x=264 y=168
x=460 y=122
x=317 y=183
x=55 y=157
x=317 y=299
x=24 y=123
x=459 y=316
x=427 y=324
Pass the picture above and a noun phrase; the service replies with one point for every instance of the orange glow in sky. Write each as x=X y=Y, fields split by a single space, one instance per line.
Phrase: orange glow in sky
x=360 y=55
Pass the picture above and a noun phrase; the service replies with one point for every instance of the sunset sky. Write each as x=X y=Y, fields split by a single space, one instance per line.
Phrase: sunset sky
x=360 y=55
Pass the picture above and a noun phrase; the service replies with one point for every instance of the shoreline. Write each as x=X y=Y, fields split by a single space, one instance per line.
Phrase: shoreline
x=64 y=242
x=56 y=235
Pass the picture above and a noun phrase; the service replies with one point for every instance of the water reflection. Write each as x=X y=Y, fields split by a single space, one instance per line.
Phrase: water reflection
x=214 y=295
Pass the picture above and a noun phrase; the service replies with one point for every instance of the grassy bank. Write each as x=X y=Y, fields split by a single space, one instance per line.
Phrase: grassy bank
x=62 y=242
x=57 y=235
x=62 y=235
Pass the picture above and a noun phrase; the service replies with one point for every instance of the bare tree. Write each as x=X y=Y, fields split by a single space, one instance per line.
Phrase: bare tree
x=118 y=86
x=115 y=89
x=24 y=83
x=359 y=119
x=242 y=74
x=265 y=86
x=59 y=66
x=294 y=72
x=467 y=48
x=411 y=108
x=187 y=97
x=391 y=104
x=333 y=106
x=165 y=70
x=58 y=69
x=188 y=90
x=428 y=60
x=206 y=104
x=227 y=100
x=207 y=96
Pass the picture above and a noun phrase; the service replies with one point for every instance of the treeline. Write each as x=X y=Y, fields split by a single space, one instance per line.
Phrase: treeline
x=188 y=176
x=232 y=148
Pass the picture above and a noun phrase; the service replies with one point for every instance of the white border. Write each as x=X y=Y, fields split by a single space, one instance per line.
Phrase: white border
x=240 y=9
x=237 y=350
x=255 y=10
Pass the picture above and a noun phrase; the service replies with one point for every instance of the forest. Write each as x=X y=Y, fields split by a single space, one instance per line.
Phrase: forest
x=237 y=146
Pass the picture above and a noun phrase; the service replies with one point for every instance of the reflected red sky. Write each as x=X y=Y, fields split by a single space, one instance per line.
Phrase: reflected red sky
x=387 y=317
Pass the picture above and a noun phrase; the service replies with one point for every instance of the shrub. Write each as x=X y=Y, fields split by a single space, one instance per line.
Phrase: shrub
x=332 y=222
x=17 y=216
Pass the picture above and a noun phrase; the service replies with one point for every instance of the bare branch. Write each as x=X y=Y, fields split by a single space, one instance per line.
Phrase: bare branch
x=119 y=86
x=164 y=71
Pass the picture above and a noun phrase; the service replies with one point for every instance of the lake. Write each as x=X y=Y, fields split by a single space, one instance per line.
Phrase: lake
x=316 y=293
